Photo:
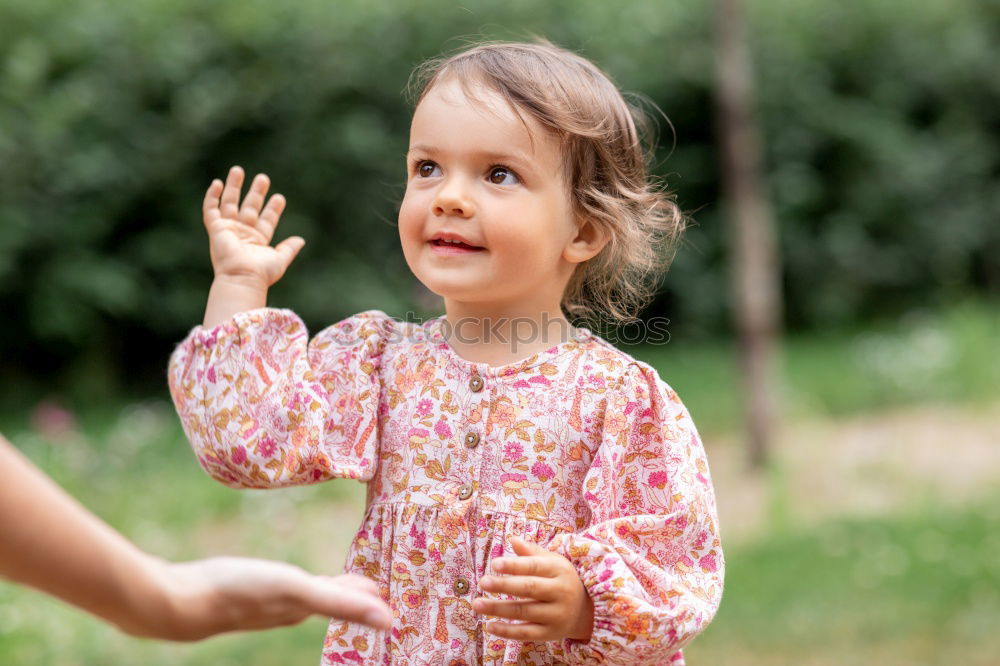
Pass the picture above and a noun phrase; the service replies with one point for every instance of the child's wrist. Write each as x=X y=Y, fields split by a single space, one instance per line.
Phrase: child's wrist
x=231 y=295
x=242 y=281
x=584 y=627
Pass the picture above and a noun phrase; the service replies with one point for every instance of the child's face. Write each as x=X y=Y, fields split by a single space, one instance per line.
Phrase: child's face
x=477 y=171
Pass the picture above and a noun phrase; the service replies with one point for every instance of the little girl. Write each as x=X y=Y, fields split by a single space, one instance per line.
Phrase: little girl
x=535 y=495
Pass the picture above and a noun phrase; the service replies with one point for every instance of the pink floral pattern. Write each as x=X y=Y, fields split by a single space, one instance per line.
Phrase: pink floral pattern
x=579 y=448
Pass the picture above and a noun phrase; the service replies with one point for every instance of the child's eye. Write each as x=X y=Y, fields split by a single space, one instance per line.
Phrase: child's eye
x=500 y=175
x=426 y=169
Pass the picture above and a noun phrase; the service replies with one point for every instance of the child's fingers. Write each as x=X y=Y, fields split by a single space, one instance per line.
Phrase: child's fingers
x=210 y=206
x=526 y=587
x=254 y=199
x=230 y=207
x=268 y=219
x=289 y=249
x=525 y=610
x=520 y=632
x=527 y=565
x=524 y=547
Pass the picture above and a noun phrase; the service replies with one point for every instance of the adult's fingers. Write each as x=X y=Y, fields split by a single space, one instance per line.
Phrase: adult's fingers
x=355 y=582
x=328 y=597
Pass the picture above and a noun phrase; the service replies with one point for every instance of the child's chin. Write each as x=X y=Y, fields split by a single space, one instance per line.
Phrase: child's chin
x=455 y=292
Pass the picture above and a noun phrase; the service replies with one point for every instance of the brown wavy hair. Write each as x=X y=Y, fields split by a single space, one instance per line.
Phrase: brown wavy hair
x=608 y=143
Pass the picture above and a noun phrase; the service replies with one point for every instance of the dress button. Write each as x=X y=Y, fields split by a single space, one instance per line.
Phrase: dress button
x=472 y=439
x=465 y=491
x=476 y=383
x=461 y=586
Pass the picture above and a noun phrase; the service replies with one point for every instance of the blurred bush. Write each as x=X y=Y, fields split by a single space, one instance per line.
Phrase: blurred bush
x=881 y=119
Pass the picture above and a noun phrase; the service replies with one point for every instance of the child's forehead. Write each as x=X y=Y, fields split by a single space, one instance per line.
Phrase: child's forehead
x=451 y=97
x=465 y=93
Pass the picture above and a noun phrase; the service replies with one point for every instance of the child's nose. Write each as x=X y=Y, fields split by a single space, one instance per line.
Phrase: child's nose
x=453 y=199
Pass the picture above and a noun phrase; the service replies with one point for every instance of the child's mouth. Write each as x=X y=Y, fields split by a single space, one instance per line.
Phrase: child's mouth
x=445 y=247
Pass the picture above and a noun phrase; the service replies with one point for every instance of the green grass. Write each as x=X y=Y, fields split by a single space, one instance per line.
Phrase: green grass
x=923 y=588
x=40 y=631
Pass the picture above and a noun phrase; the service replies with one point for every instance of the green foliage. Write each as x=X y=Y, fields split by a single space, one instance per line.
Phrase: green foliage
x=880 y=121
x=883 y=152
x=947 y=356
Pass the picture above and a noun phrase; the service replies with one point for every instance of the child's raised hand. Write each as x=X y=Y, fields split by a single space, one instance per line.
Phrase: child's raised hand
x=552 y=601
x=240 y=235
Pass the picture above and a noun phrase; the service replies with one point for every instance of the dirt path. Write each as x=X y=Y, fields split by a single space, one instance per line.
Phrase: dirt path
x=872 y=464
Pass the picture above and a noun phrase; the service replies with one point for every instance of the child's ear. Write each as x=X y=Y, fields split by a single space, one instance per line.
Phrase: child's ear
x=590 y=239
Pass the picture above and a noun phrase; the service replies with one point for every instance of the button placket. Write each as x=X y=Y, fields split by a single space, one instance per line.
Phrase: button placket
x=476 y=383
x=471 y=438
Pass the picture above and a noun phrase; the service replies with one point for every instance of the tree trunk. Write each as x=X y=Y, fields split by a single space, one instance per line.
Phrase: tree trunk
x=755 y=273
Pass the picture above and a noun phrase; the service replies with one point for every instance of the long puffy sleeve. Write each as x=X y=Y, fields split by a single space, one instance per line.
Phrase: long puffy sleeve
x=650 y=556
x=262 y=406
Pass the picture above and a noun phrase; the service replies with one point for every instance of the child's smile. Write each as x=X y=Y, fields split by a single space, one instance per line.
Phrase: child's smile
x=487 y=213
x=451 y=243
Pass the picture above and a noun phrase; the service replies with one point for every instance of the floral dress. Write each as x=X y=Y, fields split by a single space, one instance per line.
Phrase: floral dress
x=579 y=448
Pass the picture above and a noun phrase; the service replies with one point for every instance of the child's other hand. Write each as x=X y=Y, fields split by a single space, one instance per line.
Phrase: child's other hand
x=553 y=603
x=235 y=593
x=240 y=236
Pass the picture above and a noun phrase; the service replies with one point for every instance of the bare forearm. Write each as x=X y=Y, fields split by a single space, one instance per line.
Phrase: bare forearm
x=229 y=296
x=52 y=543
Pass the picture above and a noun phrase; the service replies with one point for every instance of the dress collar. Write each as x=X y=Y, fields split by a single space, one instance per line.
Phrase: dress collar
x=579 y=338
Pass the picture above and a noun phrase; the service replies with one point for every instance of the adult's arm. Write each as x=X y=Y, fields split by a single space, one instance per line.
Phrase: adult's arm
x=52 y=543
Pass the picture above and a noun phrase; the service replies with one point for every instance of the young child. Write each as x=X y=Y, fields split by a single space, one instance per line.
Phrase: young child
x=539 y=504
